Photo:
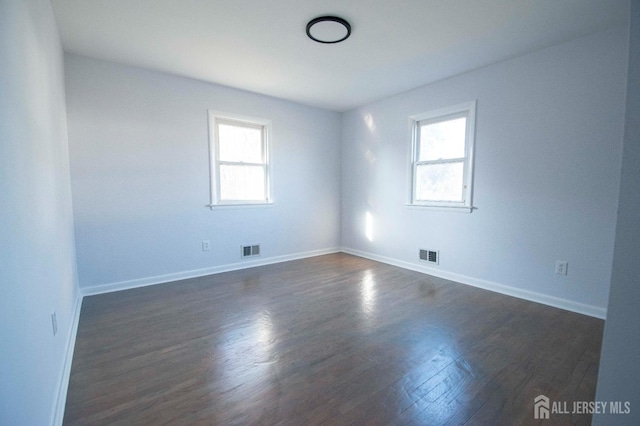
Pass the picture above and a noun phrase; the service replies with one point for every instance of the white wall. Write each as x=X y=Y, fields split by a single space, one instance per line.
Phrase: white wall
x=619 y=375
x=548 y=147
x=139 y=166
x=37 y=270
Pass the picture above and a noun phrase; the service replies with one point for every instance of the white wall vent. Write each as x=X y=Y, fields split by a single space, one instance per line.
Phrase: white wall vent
x=251 y=250
x=431 y=256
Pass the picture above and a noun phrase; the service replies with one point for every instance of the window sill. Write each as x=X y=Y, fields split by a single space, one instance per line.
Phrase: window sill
x=242 y=205
x=455 y=209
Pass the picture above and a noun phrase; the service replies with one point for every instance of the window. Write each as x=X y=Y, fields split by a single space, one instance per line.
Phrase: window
x=239 y=160
x=442 y=160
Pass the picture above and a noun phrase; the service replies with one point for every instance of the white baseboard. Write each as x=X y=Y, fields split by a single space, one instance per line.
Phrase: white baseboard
x=63 y=387
x=569 y=305
x=556 y=302
x=143 y=282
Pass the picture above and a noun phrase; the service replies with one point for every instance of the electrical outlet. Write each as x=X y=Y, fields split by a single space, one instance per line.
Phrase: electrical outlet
x=54 y=323
x=206 y=245
x=561 y=267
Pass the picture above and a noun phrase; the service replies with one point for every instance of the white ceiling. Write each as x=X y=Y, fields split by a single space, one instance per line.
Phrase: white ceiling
x=261 y=45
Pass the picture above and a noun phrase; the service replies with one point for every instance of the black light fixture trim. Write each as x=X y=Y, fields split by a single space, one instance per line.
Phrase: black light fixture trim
x=319 y=19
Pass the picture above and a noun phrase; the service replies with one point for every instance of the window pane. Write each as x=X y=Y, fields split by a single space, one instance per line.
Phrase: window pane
x=439 y=182
x=442 y=140
x=241 y=144
x=242 y=183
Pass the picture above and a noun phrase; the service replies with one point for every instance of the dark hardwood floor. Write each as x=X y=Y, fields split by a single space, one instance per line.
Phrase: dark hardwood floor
x=333 y=339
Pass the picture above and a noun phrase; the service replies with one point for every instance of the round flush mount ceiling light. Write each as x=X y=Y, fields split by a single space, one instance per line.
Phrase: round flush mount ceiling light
x=328 y=29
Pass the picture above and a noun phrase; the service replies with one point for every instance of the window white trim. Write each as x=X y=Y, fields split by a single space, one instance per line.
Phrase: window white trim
x=216 y=118
x=452 y=209
x=468 y=110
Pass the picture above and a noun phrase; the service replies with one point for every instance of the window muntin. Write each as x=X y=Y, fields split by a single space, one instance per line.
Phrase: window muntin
x=240 y=161
x=442 y=157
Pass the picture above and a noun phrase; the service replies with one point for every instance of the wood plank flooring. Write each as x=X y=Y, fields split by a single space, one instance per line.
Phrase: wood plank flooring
x=333 y=339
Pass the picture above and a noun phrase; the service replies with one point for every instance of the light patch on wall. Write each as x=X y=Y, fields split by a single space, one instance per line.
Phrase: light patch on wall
x=368 y=226
x=368 y=153
x=371 y=158
x=368 y=120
